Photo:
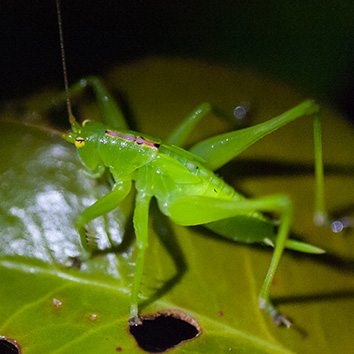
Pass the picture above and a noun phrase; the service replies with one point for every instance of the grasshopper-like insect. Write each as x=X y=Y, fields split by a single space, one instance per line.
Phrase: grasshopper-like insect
x=185 y=186
x=183 y=182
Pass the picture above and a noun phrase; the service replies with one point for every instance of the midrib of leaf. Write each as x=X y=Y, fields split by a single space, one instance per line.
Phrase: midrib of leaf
x=26 y=268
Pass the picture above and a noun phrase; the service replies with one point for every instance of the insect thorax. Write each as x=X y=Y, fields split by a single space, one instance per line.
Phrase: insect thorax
x=125 y=152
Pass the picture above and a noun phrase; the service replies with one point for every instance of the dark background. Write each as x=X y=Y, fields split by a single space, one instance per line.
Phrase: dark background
x=309 y=44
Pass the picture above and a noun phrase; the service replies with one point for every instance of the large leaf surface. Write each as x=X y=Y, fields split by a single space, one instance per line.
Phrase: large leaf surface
x=215 y=281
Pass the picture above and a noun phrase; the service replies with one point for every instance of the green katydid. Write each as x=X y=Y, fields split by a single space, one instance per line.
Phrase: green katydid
x=184 y=184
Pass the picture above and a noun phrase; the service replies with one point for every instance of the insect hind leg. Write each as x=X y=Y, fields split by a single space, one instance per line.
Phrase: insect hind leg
x=196 y=210
x=219 y=150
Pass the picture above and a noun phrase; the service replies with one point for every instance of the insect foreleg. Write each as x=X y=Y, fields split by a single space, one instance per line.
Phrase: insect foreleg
x=103 y=206
x=141 y=217
x=180 y=134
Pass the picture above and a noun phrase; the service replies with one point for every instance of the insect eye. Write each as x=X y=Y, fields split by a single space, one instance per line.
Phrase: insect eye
x=79 y=142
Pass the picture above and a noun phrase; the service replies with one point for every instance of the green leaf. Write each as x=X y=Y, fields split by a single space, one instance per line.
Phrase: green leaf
x=49 y=308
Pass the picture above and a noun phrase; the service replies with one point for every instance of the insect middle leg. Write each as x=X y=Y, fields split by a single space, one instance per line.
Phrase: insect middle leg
x=140 y=220
x=180 y=134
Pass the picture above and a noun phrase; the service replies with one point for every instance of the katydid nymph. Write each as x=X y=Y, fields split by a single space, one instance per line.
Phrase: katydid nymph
x=184 y=183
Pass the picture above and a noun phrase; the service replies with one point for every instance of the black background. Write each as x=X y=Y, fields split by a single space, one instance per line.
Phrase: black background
x=310 y=45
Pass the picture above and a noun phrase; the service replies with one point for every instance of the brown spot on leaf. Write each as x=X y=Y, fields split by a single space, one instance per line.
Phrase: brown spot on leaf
x=57 y=303
x=93 y=317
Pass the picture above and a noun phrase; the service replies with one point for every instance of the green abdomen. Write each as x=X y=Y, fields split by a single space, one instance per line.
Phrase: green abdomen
x=178 y=173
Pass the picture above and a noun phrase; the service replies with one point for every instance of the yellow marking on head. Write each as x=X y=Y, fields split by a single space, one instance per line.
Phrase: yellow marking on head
x=79 y=142
x=85 y=122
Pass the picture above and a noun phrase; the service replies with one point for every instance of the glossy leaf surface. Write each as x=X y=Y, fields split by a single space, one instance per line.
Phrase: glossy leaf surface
x=50 y=308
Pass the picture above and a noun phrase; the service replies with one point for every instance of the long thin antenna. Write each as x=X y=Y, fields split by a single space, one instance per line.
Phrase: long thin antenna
x=63 y=62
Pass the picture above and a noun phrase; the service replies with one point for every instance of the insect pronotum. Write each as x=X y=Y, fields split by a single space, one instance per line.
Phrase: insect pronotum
x=183 y=182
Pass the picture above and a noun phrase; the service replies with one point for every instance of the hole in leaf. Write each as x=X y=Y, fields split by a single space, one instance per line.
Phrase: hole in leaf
x=9 y=346
x=164 y=330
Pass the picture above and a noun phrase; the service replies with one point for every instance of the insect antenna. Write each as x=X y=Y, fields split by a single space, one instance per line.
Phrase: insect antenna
x=49 y=130
x=72 y=120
